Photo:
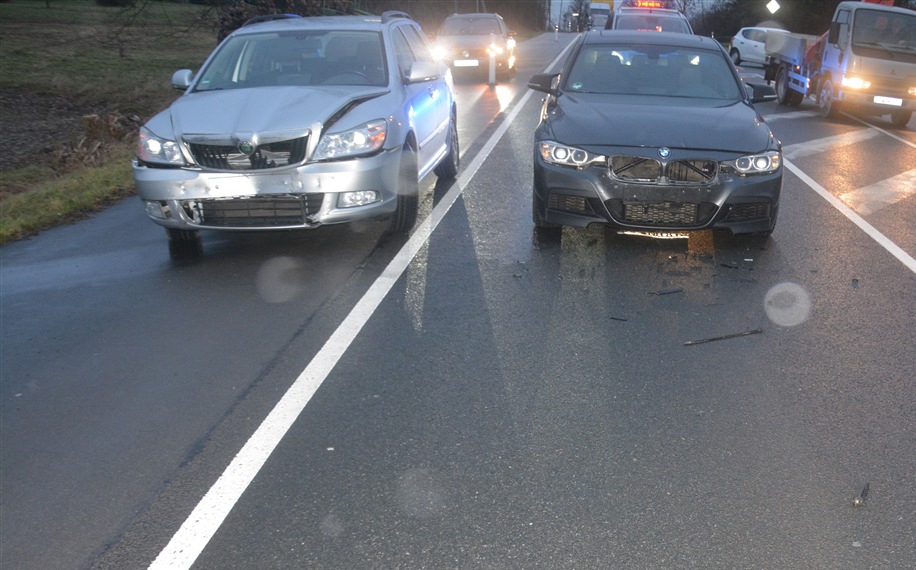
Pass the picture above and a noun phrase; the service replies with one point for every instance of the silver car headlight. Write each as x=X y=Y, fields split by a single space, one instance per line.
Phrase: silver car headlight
x=158 y=150
x=556 y=153
x=364 y=139
x=754 y=163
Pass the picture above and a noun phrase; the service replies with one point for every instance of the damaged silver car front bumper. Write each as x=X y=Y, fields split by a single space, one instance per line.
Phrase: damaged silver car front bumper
x=302 y=197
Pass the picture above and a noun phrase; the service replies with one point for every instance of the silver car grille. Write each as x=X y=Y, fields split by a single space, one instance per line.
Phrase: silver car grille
x=257 y=212
x=264 y=157
x=651 y=171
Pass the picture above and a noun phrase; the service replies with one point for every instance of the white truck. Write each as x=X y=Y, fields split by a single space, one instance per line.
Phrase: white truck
x=598 y=14
x=865 y=62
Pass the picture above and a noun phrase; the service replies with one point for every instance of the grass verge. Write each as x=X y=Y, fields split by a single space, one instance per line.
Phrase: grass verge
x=51 y=201
x=83 y=58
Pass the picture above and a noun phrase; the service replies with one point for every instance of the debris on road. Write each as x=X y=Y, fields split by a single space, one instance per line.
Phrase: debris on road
x=666 y=291
x=860 y=499
x=724 y=337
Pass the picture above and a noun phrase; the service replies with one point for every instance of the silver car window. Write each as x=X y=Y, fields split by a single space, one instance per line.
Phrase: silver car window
x=298 y=58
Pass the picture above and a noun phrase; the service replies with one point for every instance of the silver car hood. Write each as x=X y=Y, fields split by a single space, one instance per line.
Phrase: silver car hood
x=262 y=113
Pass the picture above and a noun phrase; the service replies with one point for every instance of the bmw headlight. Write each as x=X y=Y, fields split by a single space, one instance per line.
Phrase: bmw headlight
x=364 y=139
x=556 y=153
x=158 y=150
x=754 y=163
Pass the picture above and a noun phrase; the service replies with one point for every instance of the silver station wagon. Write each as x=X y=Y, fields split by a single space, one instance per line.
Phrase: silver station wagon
x=297 y=122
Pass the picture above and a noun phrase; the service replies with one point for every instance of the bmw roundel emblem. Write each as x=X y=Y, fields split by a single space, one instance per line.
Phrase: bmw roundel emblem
x=246 y=148
x=662 y=152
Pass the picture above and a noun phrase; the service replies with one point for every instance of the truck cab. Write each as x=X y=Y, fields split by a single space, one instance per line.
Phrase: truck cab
x=865 y=63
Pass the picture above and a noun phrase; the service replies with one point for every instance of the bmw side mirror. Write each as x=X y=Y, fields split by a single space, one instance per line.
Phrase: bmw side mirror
x=760 y=92
x=544 y=82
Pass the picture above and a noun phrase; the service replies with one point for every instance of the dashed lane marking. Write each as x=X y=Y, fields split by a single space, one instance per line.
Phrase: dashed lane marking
x=807 y=148
x=855 y=218
x=870 y=199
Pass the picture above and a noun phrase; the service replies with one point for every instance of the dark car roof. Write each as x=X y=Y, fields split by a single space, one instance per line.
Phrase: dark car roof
x=473 y=16
x=647 y=38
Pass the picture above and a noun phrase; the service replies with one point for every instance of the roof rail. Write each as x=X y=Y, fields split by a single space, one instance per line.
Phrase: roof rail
x=269 y=18
x=392 y=14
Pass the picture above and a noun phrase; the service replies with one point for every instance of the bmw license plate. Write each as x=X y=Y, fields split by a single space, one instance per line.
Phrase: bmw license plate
x=466 y=63
x=888 y=101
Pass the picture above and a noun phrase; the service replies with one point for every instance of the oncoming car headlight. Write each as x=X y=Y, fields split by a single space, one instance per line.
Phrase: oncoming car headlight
x=364 y=139
x=754 y=163
x=556 y=153
x=440 y=52
x=158 y=150
x=494 y=49
x=856 y=83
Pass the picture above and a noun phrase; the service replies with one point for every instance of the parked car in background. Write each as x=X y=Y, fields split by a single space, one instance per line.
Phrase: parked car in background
x=649 y=16
x=749 y=45
x=466 y=42
x=653 y=133
x=297 y=123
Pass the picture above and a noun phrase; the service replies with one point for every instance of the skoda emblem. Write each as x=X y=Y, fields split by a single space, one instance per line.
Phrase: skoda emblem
x=662 y=152
x=246 y=148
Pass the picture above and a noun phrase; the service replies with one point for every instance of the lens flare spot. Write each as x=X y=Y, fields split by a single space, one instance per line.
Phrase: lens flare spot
x=279 y=280
x=420 y=494
x=787 y=304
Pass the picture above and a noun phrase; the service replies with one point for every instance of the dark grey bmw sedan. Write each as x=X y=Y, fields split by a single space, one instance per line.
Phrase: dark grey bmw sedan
x=654 y=132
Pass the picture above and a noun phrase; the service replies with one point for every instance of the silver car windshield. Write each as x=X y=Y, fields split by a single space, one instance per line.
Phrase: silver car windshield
x=300 y=58
x=653 y=70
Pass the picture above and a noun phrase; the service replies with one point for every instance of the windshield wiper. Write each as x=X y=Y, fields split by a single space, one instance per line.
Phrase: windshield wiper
x=876 y=45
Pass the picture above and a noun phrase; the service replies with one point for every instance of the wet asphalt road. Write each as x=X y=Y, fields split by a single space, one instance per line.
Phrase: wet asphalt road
x=512 y=402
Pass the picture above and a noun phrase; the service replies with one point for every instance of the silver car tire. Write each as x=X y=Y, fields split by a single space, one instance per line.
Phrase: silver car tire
x=408 y=202
x=184 y=244
x=735 y=55
x=448 y=168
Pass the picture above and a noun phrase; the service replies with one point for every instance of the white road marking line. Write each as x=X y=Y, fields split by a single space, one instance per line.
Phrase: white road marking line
x=882 y=240
x=209 y=514
x=818 y=146
x=870 y=199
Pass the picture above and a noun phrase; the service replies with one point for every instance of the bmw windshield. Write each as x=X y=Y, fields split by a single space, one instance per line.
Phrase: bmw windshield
x=653 y=70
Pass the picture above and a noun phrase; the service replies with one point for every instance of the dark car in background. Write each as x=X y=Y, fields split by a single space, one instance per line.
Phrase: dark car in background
x=649 y=16
x=654 y=133
x=467 y=42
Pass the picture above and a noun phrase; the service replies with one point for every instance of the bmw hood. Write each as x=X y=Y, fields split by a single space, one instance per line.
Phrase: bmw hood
x=258 y=111
x=593 y=120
